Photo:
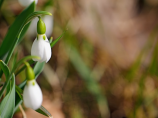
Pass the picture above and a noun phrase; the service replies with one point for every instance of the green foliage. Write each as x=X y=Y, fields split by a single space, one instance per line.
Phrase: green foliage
x=8 y=103
x=14 y=35
x=56 y=40
x=91 y=84
x=11 y=38
x=44 y=111
x=19 y=91
x=38 y=68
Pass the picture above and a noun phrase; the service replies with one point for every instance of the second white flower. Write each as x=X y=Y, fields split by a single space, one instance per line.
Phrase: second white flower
x=32 y=95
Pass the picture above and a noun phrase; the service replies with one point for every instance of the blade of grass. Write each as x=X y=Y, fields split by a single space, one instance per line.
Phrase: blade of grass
x=23 y=67
x=136 y=66
x=56 y=40
x=92 y=85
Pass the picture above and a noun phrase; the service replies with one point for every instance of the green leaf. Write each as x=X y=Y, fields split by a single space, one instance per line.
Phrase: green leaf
x=10 y=39
x=90 y=81
x=20 y=62
x=18 y=101
x=5 y=69
x=8 y=103
x=13 y=70
x=56 y=40
x=38 y=68
x=19 y=91
x=23 y=67
x=14 y=59
x=44 y=111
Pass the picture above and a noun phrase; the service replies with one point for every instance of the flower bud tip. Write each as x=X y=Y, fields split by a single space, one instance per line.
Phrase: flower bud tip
x=41 y=28
x=29 y=72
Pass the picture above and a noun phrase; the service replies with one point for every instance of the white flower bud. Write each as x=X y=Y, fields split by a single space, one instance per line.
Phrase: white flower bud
x=41 y=48
x=26 y=3
x=32 y=95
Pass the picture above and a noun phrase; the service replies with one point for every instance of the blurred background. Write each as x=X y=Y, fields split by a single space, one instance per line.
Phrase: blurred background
x=104 y=66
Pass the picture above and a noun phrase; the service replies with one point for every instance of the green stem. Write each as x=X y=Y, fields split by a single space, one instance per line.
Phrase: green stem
x=23 y=67
x=56 y=40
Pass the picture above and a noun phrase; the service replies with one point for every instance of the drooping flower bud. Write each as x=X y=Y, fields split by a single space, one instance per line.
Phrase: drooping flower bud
x=32 y=94
x=29 y=72
x=47 y=19
x=41 y=27
x=41 y=46
x=26 y=3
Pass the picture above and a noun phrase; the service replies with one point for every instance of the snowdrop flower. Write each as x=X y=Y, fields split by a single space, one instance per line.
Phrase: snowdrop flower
x=32 y=94
x=26 y=3
x=41 y=46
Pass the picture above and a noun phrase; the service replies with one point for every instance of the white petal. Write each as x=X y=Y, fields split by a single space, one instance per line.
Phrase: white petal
x=32 y=95
x=42 y=49
x=37 y=49
x=47 y=51
x=26 y=3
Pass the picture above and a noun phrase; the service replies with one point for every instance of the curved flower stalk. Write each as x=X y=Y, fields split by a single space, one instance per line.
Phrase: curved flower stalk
x=26 y=3
x=41 y=46
x=32 y=94
x=48 y=22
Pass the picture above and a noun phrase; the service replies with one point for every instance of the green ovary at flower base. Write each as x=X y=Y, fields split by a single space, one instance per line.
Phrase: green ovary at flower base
x=32 y=94
x=41 y=46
